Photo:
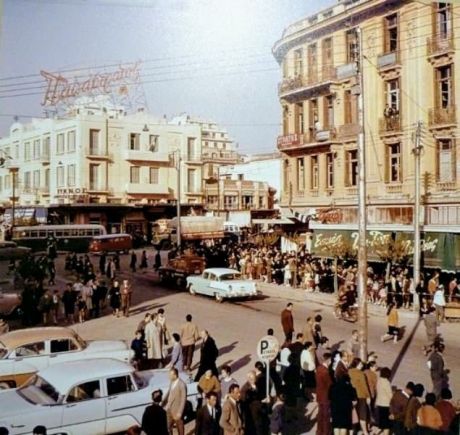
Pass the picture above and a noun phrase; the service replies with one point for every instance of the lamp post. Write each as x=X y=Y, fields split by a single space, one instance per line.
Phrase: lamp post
x=177 y=159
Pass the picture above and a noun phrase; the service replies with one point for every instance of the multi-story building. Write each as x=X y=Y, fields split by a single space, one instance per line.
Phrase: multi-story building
x=409 y=53
x=106 y=164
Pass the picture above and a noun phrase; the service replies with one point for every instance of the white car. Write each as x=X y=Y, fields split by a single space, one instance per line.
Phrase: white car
x=88 y=397
x=221 y=283
x=25 y=351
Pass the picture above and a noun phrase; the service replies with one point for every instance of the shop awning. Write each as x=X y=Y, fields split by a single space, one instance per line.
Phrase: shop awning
x=282 y=221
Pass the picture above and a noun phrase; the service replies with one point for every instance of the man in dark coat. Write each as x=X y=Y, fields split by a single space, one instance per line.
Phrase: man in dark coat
x=287 y=321
x=208 y=357
x=323 y=385
x=154 y=421
x=207 y=417
x=437 y=371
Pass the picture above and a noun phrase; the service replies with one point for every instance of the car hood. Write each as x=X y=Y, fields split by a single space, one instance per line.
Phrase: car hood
x=13 y=405
x=105 y=345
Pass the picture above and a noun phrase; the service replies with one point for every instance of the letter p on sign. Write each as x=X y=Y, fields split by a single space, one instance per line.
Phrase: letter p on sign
x=267 y=348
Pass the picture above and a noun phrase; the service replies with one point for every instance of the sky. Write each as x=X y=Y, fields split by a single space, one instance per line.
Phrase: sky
x=209 y=58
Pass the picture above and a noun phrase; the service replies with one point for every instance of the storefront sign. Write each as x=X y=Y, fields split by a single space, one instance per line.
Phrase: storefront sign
x=71 y=191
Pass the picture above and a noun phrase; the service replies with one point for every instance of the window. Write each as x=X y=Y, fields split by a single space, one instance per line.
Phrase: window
x=327 y=53
x=36 y=149
x=313 y=115
x=285 y=174
x=94 y=141
x=134 y=141
x=60 y=176
x=352 y=46
x=299 y=118
x=300 y=174
x=212 y=200
x=330 y=170
x=392 y=95
x=120 y=384
x=71 y=141
x=230 y=202
x=314 y=170
x=46 y=146
x=191 y=180
x=248 y=202
x=71 y=175
x=134 y=174
x=394 y=163
x=32 y=349
x=313 y=62
x=27 y=180
x=154 y=175
x=153 y=142
x=36 y=179
x=87 y=391
x=446 y=170
x=191 y=151
x=298 y=62
x=94 y=176
x=27 y=151
x=47 y=178
x=444 y=87
x=60 y=143
x=261 y=202
x=64 y=345
x=350 y=107
x=285 y=120
x=443 y=19
x=7 y=181
x=391 y=33
x=352 y=168
x=328 y=112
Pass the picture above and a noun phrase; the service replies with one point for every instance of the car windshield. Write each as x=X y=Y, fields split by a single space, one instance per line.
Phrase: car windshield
x=81 y=342
x=230 y=276
x=38 y=391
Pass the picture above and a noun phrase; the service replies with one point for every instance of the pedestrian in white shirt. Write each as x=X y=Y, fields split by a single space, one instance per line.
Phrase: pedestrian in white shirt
x=439 y=302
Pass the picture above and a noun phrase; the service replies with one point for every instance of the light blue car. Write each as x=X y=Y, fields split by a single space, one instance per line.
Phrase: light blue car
x=221 y=283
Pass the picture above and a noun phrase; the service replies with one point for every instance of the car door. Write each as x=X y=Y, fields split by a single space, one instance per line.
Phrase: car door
x=124 y=404
x=212 y=278
x=84 y=409
x=30 y=358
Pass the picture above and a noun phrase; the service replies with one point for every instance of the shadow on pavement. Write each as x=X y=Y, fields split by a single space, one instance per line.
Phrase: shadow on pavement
x=403 y=351
x=228 y=348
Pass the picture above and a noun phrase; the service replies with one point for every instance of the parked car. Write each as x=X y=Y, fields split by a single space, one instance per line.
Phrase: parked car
x=88 y=397
x=221 y=283
x=178 y=269
x=11 y=251
x=10 y=303
x=26 y=351
x=111 y=243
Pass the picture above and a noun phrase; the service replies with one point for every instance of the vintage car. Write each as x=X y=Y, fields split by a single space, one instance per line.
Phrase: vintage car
x=87 y=397
x=178 y=269
x=26 y=351
x=221 y=283
x=10 y=303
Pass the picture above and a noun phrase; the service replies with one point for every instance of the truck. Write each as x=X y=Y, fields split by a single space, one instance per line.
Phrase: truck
x=179 y=268
x=193 y=228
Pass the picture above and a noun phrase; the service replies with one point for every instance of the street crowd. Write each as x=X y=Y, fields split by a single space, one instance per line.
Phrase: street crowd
x=349 y=394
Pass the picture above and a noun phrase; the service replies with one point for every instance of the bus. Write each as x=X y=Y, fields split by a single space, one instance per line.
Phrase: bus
x=73 y=238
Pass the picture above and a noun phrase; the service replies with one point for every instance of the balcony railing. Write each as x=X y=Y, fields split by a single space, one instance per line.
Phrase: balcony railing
x=92 y=152
x=390 y=124
x=442 y=116
x=440 y=44
x=315 y=77
x=386 y=60
x=446 y=186
x=346 y=71
x=348 y=130
x=45 y=158
x=298 y=140
x=394 y=188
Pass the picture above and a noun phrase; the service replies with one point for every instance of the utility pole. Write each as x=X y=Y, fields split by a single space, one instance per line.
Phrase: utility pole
x=177 y=163
x=417 y=150
x=362 y=210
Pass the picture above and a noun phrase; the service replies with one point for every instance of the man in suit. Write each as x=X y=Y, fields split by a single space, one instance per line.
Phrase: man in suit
x=207 y=417
x=323 y=385
x=287 y=321
x=174 y=402
x=208 y=357
x=154 y=420
x=437 y=371
x=231 y=420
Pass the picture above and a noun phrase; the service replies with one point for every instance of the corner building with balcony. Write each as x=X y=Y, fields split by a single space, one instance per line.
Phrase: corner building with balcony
x=409 y=75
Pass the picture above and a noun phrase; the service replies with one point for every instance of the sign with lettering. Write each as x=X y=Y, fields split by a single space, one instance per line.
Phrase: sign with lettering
x=61 y=89
x=267 y=348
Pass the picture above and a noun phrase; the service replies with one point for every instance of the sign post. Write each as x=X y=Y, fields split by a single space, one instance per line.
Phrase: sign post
x=267 y=350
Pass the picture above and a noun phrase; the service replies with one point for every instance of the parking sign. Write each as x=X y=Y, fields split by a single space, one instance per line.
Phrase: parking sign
x=267 y=348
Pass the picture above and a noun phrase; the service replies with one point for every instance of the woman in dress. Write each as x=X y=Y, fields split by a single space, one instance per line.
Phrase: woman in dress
x=382 y=402
x=115 y=298
x=342 y=396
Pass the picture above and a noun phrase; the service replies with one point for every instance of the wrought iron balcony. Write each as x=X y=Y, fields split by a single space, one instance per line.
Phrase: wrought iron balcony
x=446 y=186
x=346 y=71
x=438 y=45
x=295 y=141
x=441 y=116
x=390 y=124
x=305 y=82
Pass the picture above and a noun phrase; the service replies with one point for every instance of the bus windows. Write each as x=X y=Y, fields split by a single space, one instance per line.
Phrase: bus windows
x=41 y=233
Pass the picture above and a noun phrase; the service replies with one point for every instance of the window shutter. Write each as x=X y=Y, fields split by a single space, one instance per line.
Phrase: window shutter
x=401 y=162
x=438 y=151
x=386 y=165
x=347 y=169
x=454 y=160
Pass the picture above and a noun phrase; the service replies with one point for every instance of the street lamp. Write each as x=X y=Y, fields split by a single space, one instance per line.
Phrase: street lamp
x=176 y=159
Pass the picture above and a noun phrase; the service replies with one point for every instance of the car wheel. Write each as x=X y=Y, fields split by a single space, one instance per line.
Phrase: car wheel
x=180 y=282
x=218 y=298
x=191 y=290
